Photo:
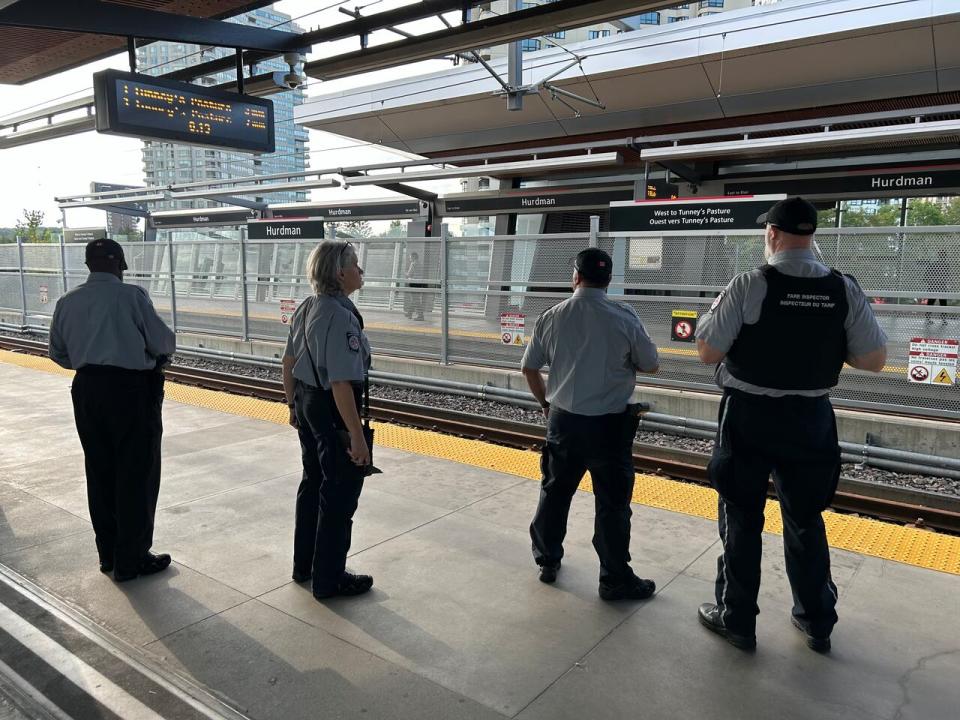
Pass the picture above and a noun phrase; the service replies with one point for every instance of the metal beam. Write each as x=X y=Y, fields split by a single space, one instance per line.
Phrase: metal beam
x=830 y=140
x=240 y=202
x=366 y=24
x=410 y=191
x=101 y=18
x=49 y=132
x=124 y=210
x=487 y=32
x=682 y=171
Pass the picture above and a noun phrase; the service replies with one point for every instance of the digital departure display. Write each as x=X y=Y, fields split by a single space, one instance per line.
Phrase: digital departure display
x=142 y=106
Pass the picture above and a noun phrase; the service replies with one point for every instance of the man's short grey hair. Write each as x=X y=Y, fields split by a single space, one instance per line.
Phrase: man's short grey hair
x=325 y=263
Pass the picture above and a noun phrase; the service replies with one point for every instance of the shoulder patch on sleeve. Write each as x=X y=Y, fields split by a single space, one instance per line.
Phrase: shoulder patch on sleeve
x=353 y=342
x=717 y=300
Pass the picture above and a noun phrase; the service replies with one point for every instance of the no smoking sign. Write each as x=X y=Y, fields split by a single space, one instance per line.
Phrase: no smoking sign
x=683 y=325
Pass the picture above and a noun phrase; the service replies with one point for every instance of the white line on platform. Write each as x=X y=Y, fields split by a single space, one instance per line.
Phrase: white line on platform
x=91 y=681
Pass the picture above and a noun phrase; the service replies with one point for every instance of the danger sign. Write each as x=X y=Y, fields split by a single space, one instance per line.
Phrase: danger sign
x=683 y=325
x=933 y=361
x=512 y=328
x=44 y=298
x=287 y=309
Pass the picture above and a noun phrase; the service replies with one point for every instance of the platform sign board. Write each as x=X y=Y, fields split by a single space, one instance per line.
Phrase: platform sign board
x=142 y=106
x=683 y=325
x=44 y=297
x=84 y=235
x=285 y=230
x=512 y=328
x=287 y=309
x=713 y=215
x=933 y=361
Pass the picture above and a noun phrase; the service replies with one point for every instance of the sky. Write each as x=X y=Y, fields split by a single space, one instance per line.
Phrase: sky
x=32 y=176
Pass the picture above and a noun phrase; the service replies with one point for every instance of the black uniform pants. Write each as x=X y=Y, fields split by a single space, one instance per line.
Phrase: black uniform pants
x=328 y=493
x=603 y=445
x=795 y=438
x=120 y=424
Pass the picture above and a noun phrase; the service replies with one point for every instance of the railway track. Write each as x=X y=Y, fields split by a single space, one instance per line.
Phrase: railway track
x=855 y=496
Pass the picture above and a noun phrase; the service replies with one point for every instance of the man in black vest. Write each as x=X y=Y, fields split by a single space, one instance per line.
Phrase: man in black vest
x=780 y=335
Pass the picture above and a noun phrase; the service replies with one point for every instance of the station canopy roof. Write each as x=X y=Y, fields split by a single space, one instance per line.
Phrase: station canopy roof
x=31 y=53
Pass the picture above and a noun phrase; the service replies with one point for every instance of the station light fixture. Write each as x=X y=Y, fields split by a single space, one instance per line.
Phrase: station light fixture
x=494 y=169
x=828 y=140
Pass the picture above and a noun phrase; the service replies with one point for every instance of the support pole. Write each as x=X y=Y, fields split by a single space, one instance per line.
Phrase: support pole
x=63 y=251
x=244 y=309
x=173 y=284
x=514 y=67
x=444 y=296
x=132 y=53
x=23 y=283
x=240 y=70
x=594 y=231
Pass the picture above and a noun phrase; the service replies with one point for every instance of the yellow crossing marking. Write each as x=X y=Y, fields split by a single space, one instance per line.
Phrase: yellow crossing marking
x=921 y=548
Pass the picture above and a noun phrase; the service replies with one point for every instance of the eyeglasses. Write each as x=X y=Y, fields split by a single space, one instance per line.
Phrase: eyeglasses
x=346 y=246
x=340 y=257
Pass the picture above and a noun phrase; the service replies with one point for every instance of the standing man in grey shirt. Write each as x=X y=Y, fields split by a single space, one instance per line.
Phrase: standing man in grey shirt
x=594 y=347
x=780 y=335
x=111 y=335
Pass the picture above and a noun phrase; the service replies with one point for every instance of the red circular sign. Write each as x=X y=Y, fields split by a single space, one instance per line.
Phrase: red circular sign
x=919 y=373
x=507 y=337
x=683 y=329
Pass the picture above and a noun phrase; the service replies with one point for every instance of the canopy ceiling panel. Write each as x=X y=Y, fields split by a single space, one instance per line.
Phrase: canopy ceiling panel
x=28 y=54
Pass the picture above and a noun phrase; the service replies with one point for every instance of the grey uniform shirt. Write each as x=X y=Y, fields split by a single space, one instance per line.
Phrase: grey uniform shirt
x=337 y=342
x=740 y=304
x=594 y=347
x=105 y=321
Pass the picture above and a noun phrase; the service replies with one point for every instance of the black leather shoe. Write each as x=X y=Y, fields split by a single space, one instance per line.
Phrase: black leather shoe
x=301 y=576
x=106 y=566
x=633 y=589
x=709 y=616
x=816 y=643
x=548 y=573
x=150 y=565
x=349 y=584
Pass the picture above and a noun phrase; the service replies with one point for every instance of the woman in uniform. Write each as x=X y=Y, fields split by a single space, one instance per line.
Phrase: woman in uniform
x=324 y=367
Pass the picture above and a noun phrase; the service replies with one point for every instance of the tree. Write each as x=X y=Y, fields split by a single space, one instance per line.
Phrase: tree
x=354 y=229
x=31 y=227
x=924 y=212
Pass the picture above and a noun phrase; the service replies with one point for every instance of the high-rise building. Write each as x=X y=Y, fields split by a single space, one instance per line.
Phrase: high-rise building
x=166 y=163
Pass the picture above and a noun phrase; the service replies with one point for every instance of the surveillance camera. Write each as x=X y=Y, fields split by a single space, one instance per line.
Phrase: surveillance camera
x=290 y=80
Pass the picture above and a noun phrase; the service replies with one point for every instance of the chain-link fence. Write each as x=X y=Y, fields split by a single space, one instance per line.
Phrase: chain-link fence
x=475 y=299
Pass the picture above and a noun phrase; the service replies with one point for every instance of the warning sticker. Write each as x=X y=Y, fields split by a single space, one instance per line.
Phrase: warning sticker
x=683 y=325
x=933 y=361
x=943 y=377
x=44 y=298
x=512 y=328
x=287 y=308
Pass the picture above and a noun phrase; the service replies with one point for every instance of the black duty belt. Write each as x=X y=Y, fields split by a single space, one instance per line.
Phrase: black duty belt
x=114 y=370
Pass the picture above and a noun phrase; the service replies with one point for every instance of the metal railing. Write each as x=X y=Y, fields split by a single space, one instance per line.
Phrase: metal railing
x=220 y=283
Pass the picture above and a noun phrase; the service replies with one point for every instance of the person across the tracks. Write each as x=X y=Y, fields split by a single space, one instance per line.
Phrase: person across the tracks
x=110 y=333
x=324 y=369
x=594 y=347
x=780 y=335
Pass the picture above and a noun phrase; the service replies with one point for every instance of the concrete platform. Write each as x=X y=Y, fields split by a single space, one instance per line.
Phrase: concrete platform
x=457 y=625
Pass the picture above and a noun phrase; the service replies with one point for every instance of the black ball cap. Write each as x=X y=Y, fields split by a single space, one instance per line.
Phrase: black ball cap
x=793 y=215
x=594 y=265
x=105 y=249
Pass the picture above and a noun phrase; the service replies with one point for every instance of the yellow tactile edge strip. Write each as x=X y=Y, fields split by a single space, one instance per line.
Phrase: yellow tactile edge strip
x=847 y=532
